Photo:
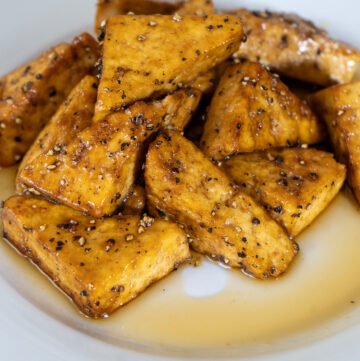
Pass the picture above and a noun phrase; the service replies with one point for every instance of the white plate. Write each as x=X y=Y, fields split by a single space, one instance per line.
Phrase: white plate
x=206 y=312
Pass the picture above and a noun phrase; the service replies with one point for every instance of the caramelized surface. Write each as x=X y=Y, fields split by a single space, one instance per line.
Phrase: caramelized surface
x=296 y=47
x=339 y=107
x=294 y=185
x=253 y=110
x=100 y=264
x=73 y=116
x=32 y=93
x=226 y=225
x=162 y=54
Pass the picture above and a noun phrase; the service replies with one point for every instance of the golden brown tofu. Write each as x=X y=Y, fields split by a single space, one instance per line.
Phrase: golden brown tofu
x=181 y=106
x=205 y=82
x=99 y=166
x=339 y=107
x=296 y=47
x=253 y=110
x=32 y=93
x=134 y=203
x=96 y=170
x=294 y=185
x=226 y=225
x=196 y=7
x=74 y=115
x=108 y=8
x=162 y=54
x=100 y=264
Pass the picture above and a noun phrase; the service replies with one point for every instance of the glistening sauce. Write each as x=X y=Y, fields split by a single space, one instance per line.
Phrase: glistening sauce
x=322 y=284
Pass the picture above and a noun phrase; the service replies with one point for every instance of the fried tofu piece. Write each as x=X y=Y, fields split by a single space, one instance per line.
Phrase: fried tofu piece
x=339 y=107
x=100 y=264
x=74 y=115
x=253 y=110
x=108 y=8
x=205 y=82
x=134 y=203
x=105 y=156
x=296 y=47
x=162 y=54
x=32 y=93
x=229 y=226
x=181 y=106
x=294 y=185
x=197 y=7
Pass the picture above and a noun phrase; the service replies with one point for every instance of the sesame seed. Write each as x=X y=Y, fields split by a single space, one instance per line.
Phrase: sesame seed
x=51 y=167
x=63 y=182
x=177 y=18
x=129 y=237
x=152 y=23
x=141 y=229
x=57 y=148
x=42 y=228
x=82 y=241
x=109 y=243
x=141 y=37
x=18 y=120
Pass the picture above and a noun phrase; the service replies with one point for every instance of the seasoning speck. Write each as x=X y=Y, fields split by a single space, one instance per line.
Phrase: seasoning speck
x=82 y=241
x=141 y=37
x=129 y=237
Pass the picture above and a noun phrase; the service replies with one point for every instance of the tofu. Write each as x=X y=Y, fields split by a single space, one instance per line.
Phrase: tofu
x=205 y=83
x=100 y=264
x=108 y=8
x=197 y=7
x=162 y=54
x=32 y=93
x=181 y=106
x=134 y=203
x=229 y=226
x=294 y=185
x=74 y=115
x=296 y=47
x=252 y=109
x=339 y=107
x=105 y=156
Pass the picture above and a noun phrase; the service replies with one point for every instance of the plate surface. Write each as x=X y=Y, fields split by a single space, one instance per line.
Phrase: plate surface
x=206 y=312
